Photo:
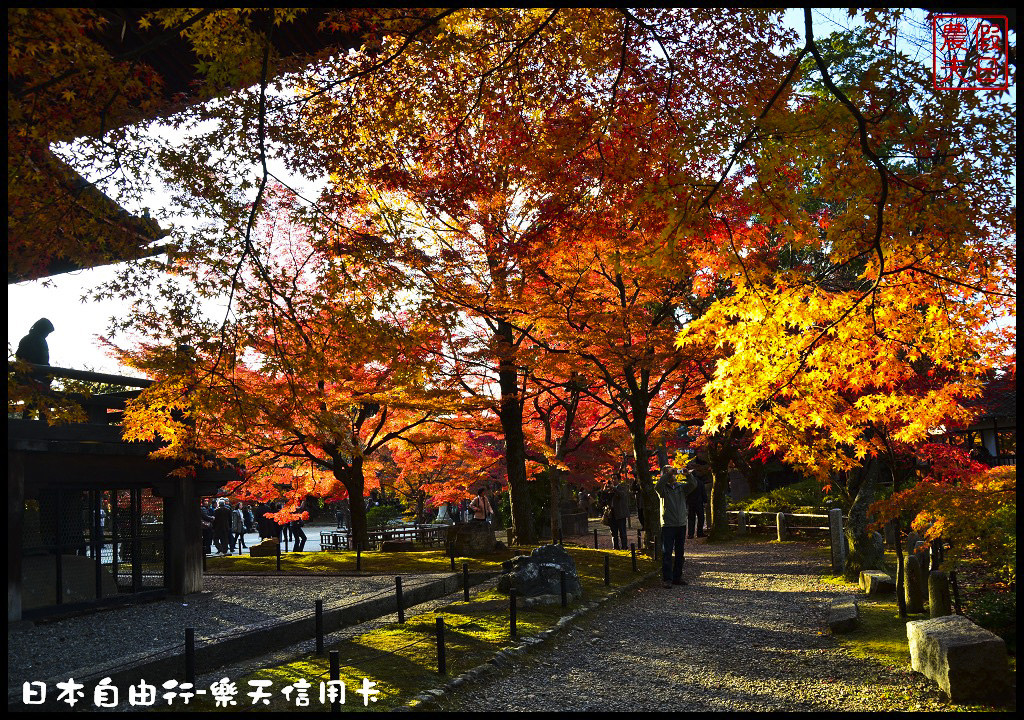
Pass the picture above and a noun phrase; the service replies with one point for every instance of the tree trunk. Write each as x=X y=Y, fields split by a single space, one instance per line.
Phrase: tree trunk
x=719 y=452
x=352 y=479
x=510 y=414
x=864 y=553
x=652 y=505
x=554 y=477
x=720 y=529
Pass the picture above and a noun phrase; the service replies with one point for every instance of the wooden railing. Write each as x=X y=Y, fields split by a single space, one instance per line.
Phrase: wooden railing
x=431 y=535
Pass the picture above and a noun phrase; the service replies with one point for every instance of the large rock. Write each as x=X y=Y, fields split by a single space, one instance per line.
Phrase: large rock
x=843 y=615
x=968 y=662
x=266 y=548
x=540 y=573
x=876 y=582
x=471 y=539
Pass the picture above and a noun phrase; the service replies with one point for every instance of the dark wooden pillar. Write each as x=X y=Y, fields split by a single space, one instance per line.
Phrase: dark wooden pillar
x=183 y=536
x=15 y=520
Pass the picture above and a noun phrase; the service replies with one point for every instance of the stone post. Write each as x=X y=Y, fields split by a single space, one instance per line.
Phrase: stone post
x=780 y=526
x=835 y=526
x=741 y=523
x=890 y=536
x=912 y=590
x=939 y=603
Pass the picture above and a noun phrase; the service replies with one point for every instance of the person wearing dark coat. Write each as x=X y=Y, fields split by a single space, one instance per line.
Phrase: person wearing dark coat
x=33 y=349
x=206 y=517
x=618 y=499
x=222 y=527
x=695 y=509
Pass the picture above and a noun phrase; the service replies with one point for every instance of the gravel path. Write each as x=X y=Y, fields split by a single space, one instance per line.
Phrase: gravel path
x=58 y=649
x=745 y=635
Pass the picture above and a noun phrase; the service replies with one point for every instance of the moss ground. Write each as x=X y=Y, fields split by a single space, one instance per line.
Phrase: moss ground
x=402 y=658
x=370 y=563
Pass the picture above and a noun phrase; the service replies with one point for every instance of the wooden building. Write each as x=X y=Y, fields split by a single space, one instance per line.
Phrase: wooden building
x=94 y=520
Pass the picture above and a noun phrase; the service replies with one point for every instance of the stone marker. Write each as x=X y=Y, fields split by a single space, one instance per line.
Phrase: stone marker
x=968 y=662
x=780 y=526
x=266 y=548
x=471 y=539
x=876 y=582
x=890 y=536
x=939 y=602
x=913 y=592
x=842 y=615
x=741 y=523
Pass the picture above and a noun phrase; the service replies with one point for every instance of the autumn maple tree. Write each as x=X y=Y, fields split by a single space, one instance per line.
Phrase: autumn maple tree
x=793 y=237
x=318 y=363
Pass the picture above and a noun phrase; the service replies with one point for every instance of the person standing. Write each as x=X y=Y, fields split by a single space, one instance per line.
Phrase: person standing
x=672 y=487
x=222 y=526
x=297 y=532
x=480 y=506
x=206 y=518
x=237 y=528
x=695 y=509
x=619 y=501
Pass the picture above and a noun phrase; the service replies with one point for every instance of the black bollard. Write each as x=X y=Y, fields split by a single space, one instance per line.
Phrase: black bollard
x=465 y=581
x=319 y=627
x=595 y=538
x=359 y=558
x=607 y=571
x=190 y=656
x=398 y=598
x=632 y=551
x=453 y=559
x=336 y=675
x=204 y=561
x=512 y=612
x=560 y=537
x=639 y=541
x=279 y=557
x=565 y=601
x=442 y=666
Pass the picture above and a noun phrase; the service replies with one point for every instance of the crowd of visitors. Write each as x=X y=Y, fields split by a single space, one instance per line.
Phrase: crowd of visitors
x=225 y=528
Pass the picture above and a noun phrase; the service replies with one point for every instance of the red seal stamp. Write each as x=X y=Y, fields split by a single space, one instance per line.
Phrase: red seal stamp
x=969 y=52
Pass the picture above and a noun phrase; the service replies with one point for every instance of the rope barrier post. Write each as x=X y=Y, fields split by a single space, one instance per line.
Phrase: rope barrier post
x=512 y=612
x=398 y=599
x=632 y=551
x=465 y=581
x=190 y=656
x=336 y=675
x=607 y=570
x=451 y=554
x=565 y=601
x=319 y=626
x=279 y=557
x=595 y=538
x=442 y=665
x=359 y=557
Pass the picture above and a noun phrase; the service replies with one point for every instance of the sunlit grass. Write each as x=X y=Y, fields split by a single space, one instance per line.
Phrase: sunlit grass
x=402 y=658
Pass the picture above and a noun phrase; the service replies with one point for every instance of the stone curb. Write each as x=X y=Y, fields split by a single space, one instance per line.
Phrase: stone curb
x=427 y=699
